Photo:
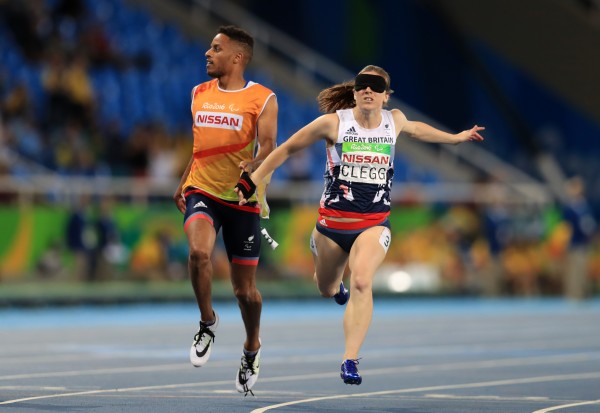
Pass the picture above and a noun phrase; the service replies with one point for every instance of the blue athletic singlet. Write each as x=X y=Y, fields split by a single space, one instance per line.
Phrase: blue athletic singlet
x=360 y=169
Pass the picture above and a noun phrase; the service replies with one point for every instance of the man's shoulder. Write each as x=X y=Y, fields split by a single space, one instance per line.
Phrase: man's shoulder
x=254 y=86
x=204 y=86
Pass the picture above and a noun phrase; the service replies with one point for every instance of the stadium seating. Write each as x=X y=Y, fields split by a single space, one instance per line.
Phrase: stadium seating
x=152 y=79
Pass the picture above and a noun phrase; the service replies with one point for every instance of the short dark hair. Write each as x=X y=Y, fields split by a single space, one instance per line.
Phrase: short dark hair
x=241 y=36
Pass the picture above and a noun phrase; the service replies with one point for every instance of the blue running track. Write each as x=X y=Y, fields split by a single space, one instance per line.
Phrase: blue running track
x=421 y=355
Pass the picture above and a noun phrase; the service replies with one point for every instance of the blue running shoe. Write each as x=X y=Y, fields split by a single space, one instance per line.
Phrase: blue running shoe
x=349 y=372
x=342 y=297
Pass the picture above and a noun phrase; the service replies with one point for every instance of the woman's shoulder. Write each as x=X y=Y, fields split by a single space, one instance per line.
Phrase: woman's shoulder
x=325 y=126
x=327 y=119
x=398 y=115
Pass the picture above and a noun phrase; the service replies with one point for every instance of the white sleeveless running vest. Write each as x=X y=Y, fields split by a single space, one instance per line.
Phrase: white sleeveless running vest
x=360 y=169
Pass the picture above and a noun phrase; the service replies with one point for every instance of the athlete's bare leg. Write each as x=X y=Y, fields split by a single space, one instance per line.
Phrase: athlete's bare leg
x=201 y=238
x=330 y=262
x=366 y=255
x=243 y=279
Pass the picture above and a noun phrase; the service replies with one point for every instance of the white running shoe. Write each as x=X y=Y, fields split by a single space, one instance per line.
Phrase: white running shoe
x=202 y=344
x=248 y=373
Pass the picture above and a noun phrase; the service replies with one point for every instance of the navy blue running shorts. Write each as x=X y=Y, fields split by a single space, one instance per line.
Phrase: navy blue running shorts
x=345 y=237
x=240 y=224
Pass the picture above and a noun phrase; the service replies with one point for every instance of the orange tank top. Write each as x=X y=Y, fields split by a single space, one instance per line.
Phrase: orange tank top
x=225 y=133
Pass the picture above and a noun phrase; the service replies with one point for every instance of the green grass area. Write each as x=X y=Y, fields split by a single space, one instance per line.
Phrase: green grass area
x=35 y=293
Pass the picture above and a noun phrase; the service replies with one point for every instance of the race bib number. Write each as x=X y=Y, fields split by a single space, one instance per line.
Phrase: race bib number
x=365 y=162
x=385 y=239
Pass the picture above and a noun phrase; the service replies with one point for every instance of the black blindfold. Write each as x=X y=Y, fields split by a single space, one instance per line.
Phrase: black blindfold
x=375 y=82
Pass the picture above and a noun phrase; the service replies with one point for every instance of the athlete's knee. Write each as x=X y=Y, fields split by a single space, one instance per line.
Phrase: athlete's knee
x=326 y=292
x=199 y=257
x=247 y=294
x=326 y=289
x=361 y=283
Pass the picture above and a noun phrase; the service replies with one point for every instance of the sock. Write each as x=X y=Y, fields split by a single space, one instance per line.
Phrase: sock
x=250 y=353
x=209 y=323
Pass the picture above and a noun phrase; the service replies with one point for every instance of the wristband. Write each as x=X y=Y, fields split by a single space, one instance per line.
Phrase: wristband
x=246 y=186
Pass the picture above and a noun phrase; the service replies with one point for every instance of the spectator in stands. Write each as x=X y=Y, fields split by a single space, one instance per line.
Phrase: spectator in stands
x=230 y=117
x=353 y=228
x=161 y=157
x=112 y=136
x=26 y=138
x=79 y=89
x=69 y=90
x=100 y=50
x=496 y=228
x=16 y=104
x=71 y=151
x=137 y=153
x=580 y=220
x=53 y=84
x=79 y=239
x=107 y=236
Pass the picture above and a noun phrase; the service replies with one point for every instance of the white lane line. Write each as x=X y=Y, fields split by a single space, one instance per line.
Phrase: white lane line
x=485 y=397
x=566 y=406
x=125 y=370
x=51 y=357
x=516 y=361
x=73 y=373
x=51 y=396
x=541 y=379
x=34 y=388
x=100 y=352
x=123 y=390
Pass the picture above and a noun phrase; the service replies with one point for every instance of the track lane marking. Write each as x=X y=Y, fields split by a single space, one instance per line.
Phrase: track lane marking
x=525 y=380
x=448 y=366
x=566 y=406
x=506 y=362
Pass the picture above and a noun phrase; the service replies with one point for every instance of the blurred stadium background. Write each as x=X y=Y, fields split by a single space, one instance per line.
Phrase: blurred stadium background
x=95 y=132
